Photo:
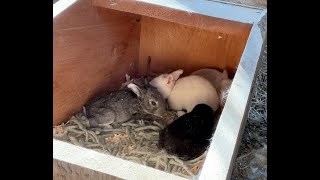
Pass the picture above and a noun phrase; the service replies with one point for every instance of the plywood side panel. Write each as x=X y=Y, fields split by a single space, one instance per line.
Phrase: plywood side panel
x=172 y=46
x=93 y=49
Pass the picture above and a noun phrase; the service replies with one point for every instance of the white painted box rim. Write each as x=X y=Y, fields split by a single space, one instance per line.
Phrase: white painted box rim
x=225 y=142
x=218 y=9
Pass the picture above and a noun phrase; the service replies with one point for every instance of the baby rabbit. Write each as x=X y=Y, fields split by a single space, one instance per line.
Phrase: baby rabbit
x=122 y=105
x=189 y=136
x=213 y=76
x=224 y=91
x=218 y=79
x=185 y=93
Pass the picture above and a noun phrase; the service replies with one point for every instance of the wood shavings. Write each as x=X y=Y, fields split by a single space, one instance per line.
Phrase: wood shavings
x=58 y=130
x=135 y=141
x=196 y=167
x=129 y=124
x=158 y=124
x=118 y=137
x=155 y=128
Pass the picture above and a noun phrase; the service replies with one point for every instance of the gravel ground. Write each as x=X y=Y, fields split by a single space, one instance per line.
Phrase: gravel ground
x=251 y=162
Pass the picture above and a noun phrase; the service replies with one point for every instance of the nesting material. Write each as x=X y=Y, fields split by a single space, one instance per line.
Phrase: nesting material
x=134 y=141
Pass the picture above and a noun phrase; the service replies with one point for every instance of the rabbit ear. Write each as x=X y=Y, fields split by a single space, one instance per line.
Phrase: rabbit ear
x=176 y=74
x=225 y=74
x=173 y=77
x=169 y=79
x=135 y=89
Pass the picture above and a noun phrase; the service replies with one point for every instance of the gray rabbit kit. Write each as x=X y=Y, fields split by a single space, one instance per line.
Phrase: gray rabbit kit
x=122 y=105
x=189 y=136
x=135 y=99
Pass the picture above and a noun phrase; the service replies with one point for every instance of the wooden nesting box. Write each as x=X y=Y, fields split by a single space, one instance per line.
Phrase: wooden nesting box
x=96 y=42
